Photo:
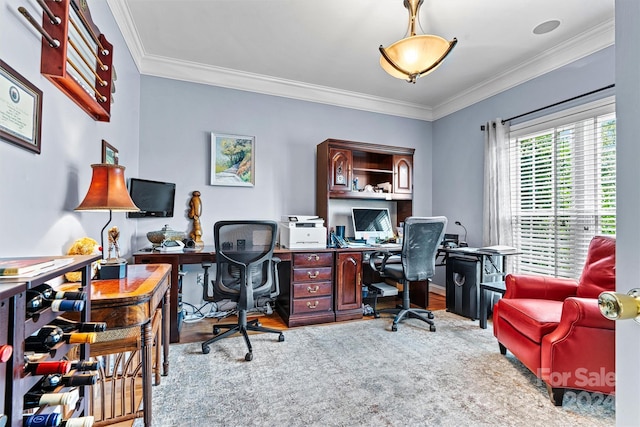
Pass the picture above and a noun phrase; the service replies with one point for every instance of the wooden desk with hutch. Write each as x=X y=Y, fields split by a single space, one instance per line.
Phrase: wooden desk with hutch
x=324 y=285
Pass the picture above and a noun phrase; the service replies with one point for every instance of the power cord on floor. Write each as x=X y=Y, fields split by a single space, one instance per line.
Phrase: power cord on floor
x=207 y=310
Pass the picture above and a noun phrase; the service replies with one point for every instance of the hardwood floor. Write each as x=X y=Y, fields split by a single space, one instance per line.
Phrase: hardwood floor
x=202 y=330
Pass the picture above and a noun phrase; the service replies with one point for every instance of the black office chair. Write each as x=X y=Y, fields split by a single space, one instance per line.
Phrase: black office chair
x=422 y=236
x=246 y=271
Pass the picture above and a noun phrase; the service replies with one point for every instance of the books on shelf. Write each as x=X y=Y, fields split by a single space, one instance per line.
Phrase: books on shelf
x=16 y=268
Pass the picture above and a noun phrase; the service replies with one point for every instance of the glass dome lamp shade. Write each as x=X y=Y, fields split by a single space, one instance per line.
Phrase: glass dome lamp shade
x=415 y=55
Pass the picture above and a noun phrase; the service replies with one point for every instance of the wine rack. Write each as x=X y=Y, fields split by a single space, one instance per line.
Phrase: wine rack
x=13 y=300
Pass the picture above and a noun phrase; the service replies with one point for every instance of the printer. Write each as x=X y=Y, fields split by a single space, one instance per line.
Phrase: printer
x=302 y=232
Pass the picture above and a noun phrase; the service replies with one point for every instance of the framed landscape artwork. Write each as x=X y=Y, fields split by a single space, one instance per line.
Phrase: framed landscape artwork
x=232 y=160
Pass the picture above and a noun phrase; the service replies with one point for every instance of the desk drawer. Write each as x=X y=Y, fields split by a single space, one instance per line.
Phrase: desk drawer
x=312 y=274
x=310 y=290
x=312 y=305
x=313 y=259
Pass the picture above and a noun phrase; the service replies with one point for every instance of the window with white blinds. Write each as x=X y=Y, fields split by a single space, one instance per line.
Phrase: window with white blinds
x=563 y=187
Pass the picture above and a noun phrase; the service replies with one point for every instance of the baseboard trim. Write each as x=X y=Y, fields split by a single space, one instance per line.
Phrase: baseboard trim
x=437 y=289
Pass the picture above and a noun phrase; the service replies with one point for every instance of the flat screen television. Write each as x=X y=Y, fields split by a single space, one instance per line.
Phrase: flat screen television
x=372 y=223
x=154 y=198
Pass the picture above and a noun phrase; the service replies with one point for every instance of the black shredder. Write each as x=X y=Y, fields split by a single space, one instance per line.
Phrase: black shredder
x=463 y=286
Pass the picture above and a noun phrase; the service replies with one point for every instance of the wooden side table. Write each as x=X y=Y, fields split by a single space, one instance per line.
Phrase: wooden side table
x=485 y=287
x=130 y=305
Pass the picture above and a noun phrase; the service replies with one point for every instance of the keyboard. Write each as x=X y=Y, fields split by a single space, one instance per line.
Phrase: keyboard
x=387 y=245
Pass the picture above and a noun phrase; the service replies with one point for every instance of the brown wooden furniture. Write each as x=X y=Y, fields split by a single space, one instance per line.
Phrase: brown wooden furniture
x=336 y=273
x=76 y=57
x=11 y=305
x=130 y=304
x=175 y=260
x=340 y=163
x=17 y=327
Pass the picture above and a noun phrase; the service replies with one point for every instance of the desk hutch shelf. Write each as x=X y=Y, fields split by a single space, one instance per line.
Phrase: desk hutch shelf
x=347 y=169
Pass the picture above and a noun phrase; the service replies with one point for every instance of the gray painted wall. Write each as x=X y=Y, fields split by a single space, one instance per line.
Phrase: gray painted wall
x=39 y=192
x=178 y=117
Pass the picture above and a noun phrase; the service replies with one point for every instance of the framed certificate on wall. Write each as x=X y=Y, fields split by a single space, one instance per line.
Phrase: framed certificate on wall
x=20 y=109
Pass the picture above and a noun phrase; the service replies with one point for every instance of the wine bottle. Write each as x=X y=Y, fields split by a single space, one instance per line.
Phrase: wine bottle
x=86 y=365
x=67 y=305
x=35 y=302
x=68 y=325
x=51 y=382
x=49 y=367
x=44 y=340
x=35 y=399
x=49 y=293
x=5 y=352
x=42 y=420
x=78 y=422
x=80 y=337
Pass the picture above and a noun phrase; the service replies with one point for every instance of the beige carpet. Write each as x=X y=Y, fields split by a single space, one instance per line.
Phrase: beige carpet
x=362 y=374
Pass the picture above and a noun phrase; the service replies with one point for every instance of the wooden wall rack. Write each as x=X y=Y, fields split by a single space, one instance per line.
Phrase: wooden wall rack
x=76 y=57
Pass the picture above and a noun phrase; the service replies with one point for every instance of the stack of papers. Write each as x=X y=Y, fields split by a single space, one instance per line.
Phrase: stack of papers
x=502 y=249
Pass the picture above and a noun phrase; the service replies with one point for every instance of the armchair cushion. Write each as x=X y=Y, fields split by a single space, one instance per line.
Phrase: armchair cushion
x=531 y=317
x=539 y=287
x=599 y=273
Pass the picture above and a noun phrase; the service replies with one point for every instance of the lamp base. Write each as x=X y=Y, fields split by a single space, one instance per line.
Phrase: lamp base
x=112 y=271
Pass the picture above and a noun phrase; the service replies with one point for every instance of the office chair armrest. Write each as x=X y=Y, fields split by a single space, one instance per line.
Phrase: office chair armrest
x=276 y=277
x=379 y=259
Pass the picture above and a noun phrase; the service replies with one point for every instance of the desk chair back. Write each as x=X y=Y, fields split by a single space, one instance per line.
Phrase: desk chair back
x=245 y=270
x=244 y=252
x=422 y=237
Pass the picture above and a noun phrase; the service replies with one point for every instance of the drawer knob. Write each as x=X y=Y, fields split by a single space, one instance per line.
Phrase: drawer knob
x=313 y=290
x=313 y=257
x=313 y=275
x=312 y=305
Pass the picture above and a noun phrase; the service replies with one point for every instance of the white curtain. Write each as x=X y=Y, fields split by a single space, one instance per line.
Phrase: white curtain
x=497 y=228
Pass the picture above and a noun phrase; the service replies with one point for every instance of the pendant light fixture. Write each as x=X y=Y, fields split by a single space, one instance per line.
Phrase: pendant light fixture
x=415 y=55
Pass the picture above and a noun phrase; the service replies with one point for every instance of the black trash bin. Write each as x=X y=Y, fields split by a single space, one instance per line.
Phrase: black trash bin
x=463 y=286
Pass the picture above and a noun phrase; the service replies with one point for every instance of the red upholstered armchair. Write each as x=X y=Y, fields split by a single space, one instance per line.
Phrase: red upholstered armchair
x=555 y=328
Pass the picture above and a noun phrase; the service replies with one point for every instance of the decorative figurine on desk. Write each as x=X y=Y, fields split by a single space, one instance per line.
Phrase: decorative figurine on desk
x=194 y=213
x=113 y=267
x=114 y=235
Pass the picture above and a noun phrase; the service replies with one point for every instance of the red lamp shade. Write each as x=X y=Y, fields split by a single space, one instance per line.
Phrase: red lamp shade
x=108 y=191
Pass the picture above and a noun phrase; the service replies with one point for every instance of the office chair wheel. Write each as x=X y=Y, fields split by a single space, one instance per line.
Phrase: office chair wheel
x=216 y=330
x=394 y=328
x=430 y=315
x=280 y=337
x=248 y=357
x=205 y=349
x=432 y=328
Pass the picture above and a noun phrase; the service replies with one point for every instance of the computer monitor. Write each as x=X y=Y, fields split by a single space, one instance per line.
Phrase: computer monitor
x=372 y=223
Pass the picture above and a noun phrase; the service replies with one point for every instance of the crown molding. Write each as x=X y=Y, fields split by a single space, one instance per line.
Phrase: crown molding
x=585 y=44
x=217 y=76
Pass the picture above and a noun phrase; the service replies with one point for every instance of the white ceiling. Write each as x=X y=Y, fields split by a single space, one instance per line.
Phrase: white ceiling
x=327 y=50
